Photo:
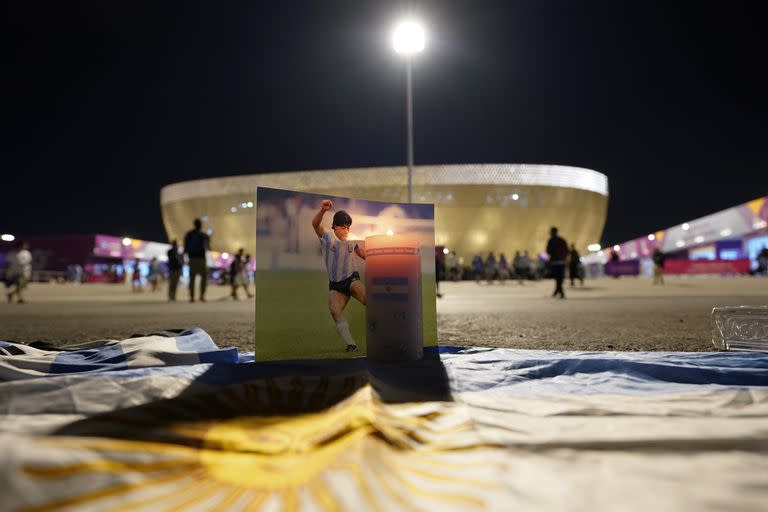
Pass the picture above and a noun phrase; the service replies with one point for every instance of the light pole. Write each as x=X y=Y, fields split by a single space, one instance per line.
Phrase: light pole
x=408 y=40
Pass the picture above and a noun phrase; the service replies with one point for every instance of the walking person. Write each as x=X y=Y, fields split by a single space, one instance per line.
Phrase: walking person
x=154 y=274
x=557 y=249
x=762 y=261
x=136 y=284
x=574 y=266
x=20 y=273
x=658 y=258
x=439 y=270
x=247 y=275
x=196 y=243
x=450 y=263
x=175 y=265
x=236 y=273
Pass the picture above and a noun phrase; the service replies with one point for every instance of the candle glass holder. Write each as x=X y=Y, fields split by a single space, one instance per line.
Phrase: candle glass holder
x=394 y=323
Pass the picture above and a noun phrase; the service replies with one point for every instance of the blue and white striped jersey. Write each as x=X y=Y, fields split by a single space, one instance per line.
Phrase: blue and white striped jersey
x=339 y=256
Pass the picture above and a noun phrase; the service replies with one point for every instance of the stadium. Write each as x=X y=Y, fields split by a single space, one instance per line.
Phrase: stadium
x=478 y=207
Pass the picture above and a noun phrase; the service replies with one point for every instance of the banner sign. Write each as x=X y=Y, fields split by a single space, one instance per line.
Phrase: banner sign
x=706 y=266
x=622 y=268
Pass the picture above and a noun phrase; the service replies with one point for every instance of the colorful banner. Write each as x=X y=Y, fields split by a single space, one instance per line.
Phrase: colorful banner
x=622 y=268
x=706 y=266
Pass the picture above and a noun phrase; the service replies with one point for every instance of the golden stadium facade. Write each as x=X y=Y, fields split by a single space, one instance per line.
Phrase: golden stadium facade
x=478 y=207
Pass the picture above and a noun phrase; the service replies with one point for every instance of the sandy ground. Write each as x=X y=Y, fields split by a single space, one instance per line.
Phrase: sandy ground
x=605 y=314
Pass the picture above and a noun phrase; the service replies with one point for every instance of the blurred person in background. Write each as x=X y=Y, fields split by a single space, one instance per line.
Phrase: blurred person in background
x=175 y=266
x=575 y=270
x=658 y=258
x=557 y=248
x=136 y=284
x=450 y=263
x=503 y=268
x=477 y=267
x=490 y=268
x=19 y=273
x=247 y=276
x=196 y=244
x=439 y=270
x=154 y=274
x=236 y=273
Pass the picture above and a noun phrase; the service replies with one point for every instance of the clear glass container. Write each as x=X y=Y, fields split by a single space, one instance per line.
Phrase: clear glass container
x=740 y=328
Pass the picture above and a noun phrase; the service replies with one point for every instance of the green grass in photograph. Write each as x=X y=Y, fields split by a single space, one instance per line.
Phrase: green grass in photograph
x=292 y=318
x=293 y=322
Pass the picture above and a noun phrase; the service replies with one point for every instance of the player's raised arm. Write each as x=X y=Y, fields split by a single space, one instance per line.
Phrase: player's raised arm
x=326 y=205
x=360 y=251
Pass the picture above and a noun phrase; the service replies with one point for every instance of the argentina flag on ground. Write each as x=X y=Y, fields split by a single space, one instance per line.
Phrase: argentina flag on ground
x=169 y=421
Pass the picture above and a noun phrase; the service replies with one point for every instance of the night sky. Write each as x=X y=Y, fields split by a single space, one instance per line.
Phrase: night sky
x=106 y=102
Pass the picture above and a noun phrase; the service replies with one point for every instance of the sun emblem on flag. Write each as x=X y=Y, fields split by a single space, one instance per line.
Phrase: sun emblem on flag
x=359 y=451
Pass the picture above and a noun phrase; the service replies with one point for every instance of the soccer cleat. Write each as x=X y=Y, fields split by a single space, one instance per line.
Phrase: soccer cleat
x=351 y=348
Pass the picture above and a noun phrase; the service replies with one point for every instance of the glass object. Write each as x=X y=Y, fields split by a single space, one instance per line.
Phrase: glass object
x=740 y=328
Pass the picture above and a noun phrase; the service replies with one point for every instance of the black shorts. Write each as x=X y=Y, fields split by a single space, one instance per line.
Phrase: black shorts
x=344 y=286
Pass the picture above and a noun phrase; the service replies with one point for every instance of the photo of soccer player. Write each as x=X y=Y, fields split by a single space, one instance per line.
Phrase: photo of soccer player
x=343 y=281
x=311 y=271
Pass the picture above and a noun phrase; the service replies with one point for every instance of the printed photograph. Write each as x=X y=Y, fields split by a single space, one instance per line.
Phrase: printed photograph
x=311 y=280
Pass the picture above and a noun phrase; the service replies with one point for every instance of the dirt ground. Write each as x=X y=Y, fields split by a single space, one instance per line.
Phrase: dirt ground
x=605 y=314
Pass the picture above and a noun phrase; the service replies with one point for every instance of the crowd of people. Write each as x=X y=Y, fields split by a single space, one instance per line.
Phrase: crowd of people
x=196 y=245
x=558 y=258
x=520 y=268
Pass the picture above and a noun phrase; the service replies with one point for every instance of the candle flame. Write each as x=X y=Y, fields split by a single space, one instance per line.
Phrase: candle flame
x=390 y=232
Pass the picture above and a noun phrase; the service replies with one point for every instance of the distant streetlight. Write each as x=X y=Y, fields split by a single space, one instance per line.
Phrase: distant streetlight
x=408 y=39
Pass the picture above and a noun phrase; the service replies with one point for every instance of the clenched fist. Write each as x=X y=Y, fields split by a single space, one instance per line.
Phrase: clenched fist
x=327 y=204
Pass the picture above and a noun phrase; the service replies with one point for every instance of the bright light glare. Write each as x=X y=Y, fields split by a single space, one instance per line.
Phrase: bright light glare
x=616 y=248
x=593 y=247
x=250 y=204
x=686 y=226
x=233 y=209
x=390 y=232
x=651 y=237
x=515 y=197
x=698 y=239
x=225 y=255
x=445 y=250
x=679 y=243
x=408 y=37
x=7 y=238
x=725 y=232
x=126 y=241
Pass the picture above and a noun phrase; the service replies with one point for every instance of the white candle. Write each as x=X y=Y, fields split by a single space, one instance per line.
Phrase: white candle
x=393 y=311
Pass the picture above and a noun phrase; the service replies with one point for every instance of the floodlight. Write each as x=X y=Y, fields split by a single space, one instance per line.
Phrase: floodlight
x=408 y=37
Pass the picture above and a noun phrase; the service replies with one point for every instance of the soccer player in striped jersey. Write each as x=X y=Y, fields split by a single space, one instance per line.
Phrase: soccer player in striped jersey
x=343 y=281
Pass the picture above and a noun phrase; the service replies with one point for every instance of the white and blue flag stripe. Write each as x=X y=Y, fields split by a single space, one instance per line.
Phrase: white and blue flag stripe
x=339 y=256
